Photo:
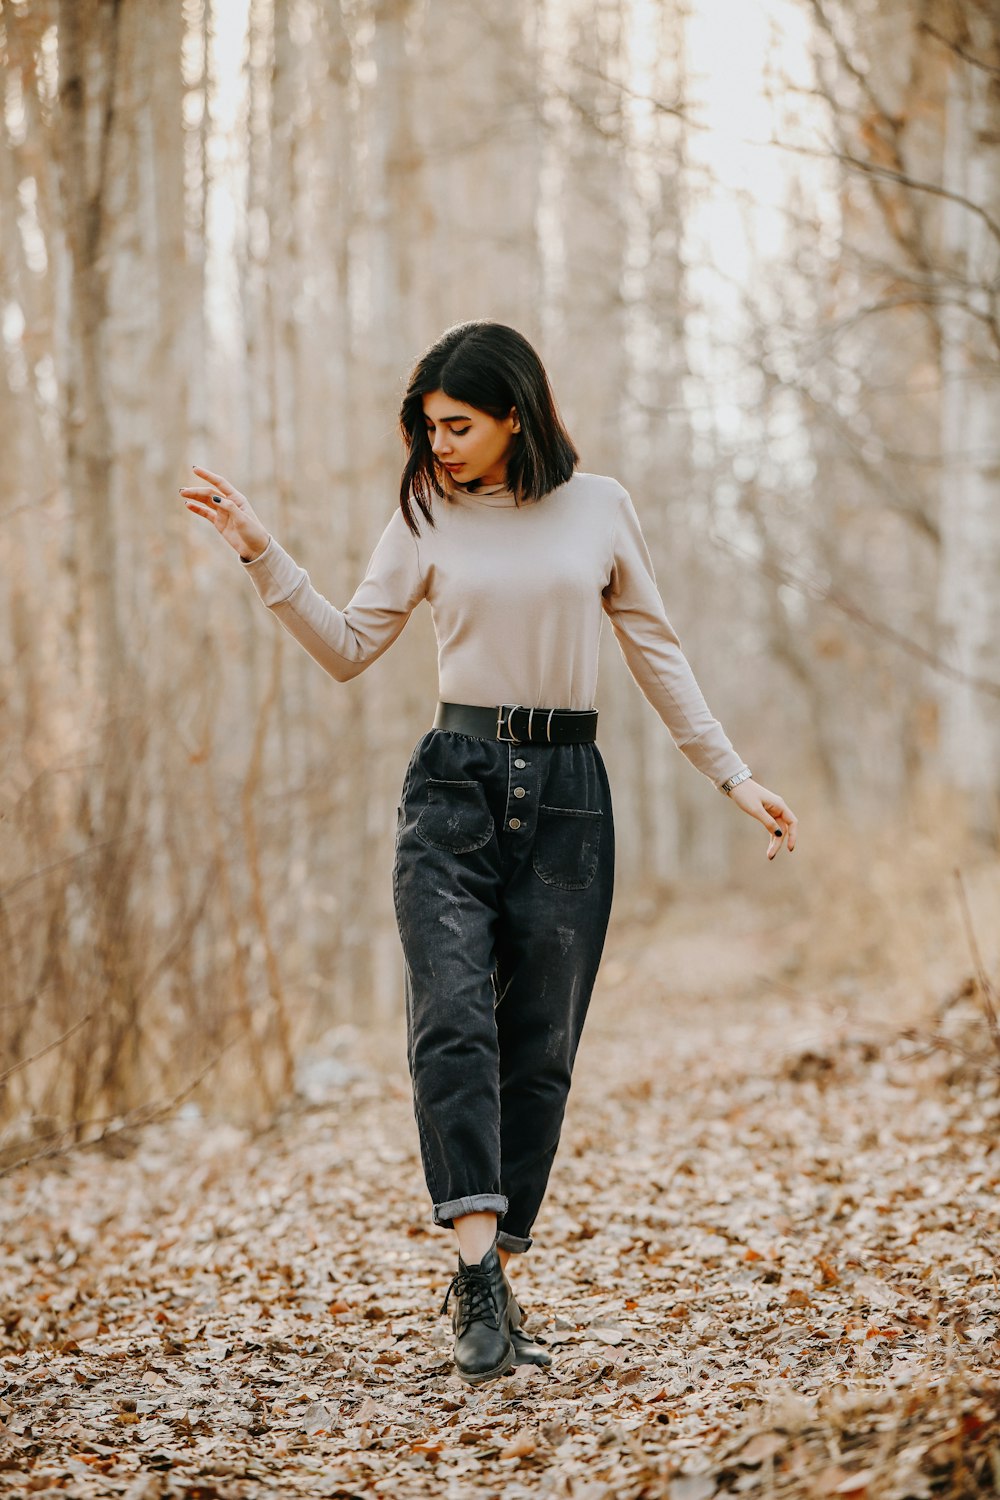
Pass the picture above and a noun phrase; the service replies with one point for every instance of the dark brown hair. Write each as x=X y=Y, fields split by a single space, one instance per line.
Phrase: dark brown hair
x=492 y=368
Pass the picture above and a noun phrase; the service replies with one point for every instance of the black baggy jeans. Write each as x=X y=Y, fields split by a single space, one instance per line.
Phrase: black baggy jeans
x=502 y=880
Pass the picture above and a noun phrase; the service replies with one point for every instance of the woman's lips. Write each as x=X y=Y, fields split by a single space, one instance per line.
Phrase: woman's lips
x=451 y=467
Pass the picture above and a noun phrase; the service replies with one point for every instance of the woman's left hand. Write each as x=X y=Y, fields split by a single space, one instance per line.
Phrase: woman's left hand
x=768 y=808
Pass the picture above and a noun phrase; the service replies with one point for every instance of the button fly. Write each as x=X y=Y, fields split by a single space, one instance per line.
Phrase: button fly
x=519 y=791
x=520 y=764
x=514 y=823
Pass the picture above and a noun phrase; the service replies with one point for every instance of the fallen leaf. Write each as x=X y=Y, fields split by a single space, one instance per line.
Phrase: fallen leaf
x=521 y=1447
x=855 y=1483
x=692 y=1487
x=762 y=1445
x=316 y=1418
x=606 y=1335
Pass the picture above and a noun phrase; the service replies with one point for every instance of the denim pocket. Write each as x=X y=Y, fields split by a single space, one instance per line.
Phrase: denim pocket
x=566 y=844
x=457 y=818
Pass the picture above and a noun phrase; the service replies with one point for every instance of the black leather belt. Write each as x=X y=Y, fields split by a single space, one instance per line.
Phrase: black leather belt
x=520 y=726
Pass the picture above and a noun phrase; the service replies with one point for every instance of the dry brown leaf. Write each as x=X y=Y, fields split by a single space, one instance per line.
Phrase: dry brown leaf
x=606 y=1335
x=855 y=1484
x=316 y=1418
x=692 y=1487
x=331 y=1321
x=762 y=1445
x=523 y=1445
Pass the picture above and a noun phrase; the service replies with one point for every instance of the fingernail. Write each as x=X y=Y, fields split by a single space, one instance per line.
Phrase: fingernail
x=217 y=499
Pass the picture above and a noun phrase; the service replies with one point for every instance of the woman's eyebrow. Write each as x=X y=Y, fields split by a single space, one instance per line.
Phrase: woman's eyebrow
x=462 y=418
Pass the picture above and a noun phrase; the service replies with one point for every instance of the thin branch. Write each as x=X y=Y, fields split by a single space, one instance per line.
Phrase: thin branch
x=66 y=859
x=183 y=930
x=144 y=1115
x=855 y=612
x=860 y=77
x=47 y=1048
x=985 y=988
x=976 y=62
x=936 y=1041
x=34 y=504
x=938 y=190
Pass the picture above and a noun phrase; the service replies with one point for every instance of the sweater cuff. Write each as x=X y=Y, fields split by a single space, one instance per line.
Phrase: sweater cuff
x=274 y=574
x=720 y=781
x=249 y=561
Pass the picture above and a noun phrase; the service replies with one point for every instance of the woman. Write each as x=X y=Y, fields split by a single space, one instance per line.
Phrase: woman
x=504 y=856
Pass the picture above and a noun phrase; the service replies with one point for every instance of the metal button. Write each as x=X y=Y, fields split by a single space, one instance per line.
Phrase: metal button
x=519 y=791
x=520 y=764
x=514 y=823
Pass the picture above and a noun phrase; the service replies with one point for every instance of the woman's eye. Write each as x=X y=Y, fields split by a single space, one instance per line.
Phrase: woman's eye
x=455 y=432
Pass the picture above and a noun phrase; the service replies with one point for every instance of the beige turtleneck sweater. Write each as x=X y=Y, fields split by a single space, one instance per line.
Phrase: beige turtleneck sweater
x=518 y=595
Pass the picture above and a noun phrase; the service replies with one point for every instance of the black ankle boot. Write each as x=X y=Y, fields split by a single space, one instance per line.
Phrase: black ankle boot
x=481 y=1319
x=527 y=1351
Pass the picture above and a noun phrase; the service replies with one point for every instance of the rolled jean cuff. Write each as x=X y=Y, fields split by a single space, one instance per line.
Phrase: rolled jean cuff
x=513 y=1242
x=478 y=1203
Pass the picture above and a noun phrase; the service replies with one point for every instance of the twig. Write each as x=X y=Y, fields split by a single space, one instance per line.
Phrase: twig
x=32 y=504
x=860 y=75
x=145 y=1115
x=985 y=987
x=961 y=991
x=66 y=859
x=935 y=1040
x=937 y=189
x=47 y=1048
x=959 y=51
x=855 y=612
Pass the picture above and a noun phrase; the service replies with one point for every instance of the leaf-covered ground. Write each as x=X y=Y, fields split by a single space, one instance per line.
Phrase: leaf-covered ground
x=767 y=1265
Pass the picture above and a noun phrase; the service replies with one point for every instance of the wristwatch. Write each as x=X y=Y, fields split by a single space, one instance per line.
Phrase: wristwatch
x=727 y=786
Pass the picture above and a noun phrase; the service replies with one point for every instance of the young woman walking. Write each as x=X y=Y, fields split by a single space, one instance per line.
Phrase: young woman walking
x=504 y=853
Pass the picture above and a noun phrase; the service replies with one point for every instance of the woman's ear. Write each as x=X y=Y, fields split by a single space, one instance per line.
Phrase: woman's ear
x=517 y=421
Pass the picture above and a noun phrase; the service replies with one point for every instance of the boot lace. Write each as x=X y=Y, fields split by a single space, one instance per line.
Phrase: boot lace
x=476 y=1302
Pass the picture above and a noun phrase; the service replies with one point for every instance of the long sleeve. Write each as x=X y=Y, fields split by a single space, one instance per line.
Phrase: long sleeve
x=346 y=641
x=653 y=652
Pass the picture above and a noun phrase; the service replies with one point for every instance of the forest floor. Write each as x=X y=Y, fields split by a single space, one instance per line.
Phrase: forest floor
x=767 y=1266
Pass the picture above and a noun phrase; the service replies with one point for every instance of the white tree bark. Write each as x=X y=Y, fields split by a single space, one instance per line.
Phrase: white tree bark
x=970 y=500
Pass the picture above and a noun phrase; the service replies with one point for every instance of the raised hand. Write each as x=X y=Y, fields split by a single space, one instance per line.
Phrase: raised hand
x=229 y=511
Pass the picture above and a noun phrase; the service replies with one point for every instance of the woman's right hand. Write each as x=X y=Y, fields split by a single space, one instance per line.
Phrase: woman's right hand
x=230 y=513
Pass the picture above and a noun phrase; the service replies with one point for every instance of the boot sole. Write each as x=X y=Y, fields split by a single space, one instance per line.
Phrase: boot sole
x=482 y=1375
x=520 y=1356
x=539 y=1364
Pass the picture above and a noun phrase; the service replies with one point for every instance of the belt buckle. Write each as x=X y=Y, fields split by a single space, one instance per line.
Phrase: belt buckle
x=508 y=708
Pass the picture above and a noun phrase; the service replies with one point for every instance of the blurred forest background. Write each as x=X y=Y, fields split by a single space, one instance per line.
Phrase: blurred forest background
x=757 y=244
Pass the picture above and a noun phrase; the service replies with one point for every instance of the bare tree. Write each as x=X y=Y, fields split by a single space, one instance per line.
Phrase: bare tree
x=969 y=311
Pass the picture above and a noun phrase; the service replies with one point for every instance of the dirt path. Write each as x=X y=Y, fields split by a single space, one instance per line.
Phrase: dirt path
x=767 y=1265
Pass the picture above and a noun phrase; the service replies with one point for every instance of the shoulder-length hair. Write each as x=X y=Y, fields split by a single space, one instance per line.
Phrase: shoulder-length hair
x=491 y=367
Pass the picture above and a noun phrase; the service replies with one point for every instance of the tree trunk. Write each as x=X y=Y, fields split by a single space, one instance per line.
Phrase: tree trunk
x=970 y=499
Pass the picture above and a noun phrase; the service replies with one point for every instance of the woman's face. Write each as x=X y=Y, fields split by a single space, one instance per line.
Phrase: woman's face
x=469 y=443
